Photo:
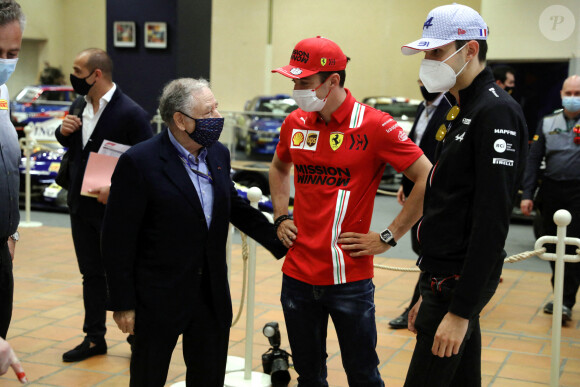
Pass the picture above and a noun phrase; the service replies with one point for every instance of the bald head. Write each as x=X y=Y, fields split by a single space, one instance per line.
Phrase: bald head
x=571 y=96
x=571 y=86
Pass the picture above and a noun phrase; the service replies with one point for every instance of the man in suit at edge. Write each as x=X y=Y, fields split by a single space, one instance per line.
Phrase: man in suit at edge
x=164 y=237
x=430 y=115
x=102 y=113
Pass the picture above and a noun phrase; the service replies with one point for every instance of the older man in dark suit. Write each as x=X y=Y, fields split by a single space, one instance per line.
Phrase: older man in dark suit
x=164 y=238
x=103 y=113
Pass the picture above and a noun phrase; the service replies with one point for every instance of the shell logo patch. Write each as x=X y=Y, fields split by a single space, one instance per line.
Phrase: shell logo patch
x=304 y=139
x=3 y=104
x=336 y=139
x=323 y=61
x=297 y=139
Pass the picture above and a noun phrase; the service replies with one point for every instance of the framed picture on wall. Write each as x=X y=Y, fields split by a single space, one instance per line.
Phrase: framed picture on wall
x=155 y=35
x=124 y=34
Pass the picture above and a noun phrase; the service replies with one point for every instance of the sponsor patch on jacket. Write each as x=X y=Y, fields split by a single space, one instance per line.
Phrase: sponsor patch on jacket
x=304 y=139
x=466 y=121
x=3 y=104
x=505 y=131
x=536 y=137
x=501 y=146
x=506 y=162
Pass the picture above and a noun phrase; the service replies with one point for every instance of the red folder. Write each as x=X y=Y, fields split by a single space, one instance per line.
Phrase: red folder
x=98 y=172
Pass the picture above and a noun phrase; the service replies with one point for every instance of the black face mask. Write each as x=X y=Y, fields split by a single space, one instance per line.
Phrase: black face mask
x=429 y=97
x=509 y=90
x=80 y=85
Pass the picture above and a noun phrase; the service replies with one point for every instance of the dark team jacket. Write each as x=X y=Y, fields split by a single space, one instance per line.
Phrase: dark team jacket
x=470 y=191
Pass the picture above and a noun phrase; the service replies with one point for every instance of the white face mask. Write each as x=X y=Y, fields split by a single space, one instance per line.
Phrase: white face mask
x=439 y=77
x=308 y=101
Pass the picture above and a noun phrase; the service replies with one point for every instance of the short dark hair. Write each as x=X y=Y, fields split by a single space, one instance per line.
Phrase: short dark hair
x=99 y=59
x=342 y=74
x=482 y=55
x=500 y=72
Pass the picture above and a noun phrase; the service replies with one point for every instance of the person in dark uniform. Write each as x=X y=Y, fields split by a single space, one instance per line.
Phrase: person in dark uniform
x=468 y=198
x=558 y=142
x=430 y=114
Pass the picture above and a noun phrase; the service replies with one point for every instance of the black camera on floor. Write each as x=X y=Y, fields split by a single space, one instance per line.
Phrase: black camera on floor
x=275 y=360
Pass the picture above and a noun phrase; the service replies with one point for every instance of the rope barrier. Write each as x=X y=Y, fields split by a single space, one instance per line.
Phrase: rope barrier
x=511 y=259
x=388 y=193
x=245 y=257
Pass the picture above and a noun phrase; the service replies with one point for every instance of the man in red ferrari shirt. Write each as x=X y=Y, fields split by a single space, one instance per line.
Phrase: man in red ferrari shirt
x=339 y=149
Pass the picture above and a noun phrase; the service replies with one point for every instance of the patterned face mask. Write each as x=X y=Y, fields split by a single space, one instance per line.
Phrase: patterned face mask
x=207 y=131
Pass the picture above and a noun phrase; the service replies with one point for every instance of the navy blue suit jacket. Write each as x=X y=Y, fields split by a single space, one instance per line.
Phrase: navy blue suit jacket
x=122 y=121
x=156 y=245
x=428 y=142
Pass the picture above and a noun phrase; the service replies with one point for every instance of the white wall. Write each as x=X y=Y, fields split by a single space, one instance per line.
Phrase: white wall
x=56 y=30
x=516 y=33
x=371 y=32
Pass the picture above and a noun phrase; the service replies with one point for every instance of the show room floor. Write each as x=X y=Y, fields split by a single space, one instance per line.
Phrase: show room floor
x=48 y=316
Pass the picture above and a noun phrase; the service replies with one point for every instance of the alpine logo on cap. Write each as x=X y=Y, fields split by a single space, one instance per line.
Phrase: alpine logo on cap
x=428 y=23
x=295 y=71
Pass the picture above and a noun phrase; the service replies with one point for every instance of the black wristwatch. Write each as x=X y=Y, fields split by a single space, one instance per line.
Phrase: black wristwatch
x=15 y=237
x=388 y=238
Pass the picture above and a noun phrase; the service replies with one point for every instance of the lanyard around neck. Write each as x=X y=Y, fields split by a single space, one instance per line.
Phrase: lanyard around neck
x=186 y=162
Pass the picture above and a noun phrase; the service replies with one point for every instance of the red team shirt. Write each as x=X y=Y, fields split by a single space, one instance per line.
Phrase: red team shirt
x=337 y=170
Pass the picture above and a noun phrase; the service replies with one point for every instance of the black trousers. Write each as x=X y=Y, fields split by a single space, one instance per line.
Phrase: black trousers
x=461 y=370
x=6 y=289
x=205 y=349
x=417 y=249
x=557 y=195
x=86 y=233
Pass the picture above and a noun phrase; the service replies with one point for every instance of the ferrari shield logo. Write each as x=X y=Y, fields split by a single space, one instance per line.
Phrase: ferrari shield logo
x=336 y=140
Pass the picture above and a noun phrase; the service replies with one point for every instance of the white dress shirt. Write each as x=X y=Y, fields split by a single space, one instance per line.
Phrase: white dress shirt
x=425 y=117
x=90 y=118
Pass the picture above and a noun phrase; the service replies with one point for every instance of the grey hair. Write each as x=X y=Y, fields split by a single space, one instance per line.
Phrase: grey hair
x=11 y=11
x=179 y=95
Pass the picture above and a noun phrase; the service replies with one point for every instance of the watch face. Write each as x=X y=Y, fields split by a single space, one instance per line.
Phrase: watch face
x=386 y=235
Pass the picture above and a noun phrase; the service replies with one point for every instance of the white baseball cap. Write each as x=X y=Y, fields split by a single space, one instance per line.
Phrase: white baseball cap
x=446 y=24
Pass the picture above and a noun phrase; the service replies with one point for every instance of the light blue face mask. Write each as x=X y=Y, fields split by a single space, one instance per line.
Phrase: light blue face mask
x=572 y=104
x=7 y=67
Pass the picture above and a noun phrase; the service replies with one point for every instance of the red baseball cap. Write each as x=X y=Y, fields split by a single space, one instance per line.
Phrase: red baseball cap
x=313 y=55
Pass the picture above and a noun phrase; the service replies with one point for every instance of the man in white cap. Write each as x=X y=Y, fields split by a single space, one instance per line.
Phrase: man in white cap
x=339 y=149
x=468 y=198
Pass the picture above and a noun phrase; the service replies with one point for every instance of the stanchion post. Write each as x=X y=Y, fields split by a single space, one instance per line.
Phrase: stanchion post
x=562 y=218
x=249 y=378
x=27 y=147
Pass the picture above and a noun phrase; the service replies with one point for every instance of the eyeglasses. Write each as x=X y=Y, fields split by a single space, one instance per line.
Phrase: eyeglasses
x=451 y=115
x=576 y=130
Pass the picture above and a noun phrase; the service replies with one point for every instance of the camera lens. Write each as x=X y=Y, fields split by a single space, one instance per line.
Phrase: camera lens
x=280 y=375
